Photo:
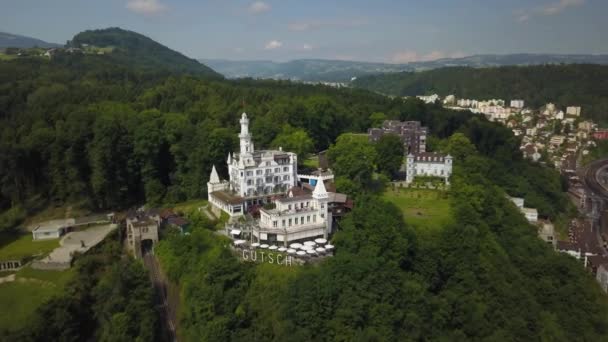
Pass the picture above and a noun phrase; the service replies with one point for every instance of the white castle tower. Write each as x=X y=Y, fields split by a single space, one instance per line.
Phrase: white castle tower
x=245 y=137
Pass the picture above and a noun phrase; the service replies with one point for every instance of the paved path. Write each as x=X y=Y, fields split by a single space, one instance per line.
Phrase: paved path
x=80 y=241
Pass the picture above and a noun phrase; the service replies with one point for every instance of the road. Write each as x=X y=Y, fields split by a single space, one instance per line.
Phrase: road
x=166 y=305
x=593 y=177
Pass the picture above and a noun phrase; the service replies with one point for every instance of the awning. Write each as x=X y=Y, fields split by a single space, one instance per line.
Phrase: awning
x=321 y=241
x=310 y=243
x=235 y=232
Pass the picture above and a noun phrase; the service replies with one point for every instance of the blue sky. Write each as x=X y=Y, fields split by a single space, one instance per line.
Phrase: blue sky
x=380 y=30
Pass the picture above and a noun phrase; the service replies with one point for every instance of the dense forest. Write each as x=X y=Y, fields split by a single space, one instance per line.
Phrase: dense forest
x=486 y=276
x=89 y=127
x=83 y=127
x=565 y=85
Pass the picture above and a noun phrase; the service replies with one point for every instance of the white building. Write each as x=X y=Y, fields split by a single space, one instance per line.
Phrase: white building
x=428 y=164
x=295 y=218
x=429 y=98
x=531 y=214
x=449 y=100
x=519 y=104
x=255 y=176
x=572 y=110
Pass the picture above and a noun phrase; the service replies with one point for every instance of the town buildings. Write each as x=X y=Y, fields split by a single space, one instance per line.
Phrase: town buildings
x=412 y=134
x=429 y=164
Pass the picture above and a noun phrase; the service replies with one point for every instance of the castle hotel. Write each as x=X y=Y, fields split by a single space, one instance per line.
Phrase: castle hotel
x=292 y=207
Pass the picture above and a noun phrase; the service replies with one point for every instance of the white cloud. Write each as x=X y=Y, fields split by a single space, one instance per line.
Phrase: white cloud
x=553 y=8
x=560 y=6
x=273 y=44
x=259 y=7
x=316 y=24
x=307 y=47
x=413 y=56
x=146 y=7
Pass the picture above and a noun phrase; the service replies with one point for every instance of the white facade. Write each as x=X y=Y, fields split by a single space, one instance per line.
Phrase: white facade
x=576 y=111
x=295 y=218
x=519 y=104
x=428 y=164
x=254 y=175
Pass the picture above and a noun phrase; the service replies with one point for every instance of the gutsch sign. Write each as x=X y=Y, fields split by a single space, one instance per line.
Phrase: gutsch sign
x=253 y=255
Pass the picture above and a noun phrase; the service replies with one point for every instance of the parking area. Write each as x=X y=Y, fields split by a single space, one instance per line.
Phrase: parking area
x=80 y=241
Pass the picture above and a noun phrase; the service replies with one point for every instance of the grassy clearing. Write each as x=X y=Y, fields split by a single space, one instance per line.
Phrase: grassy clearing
x=18 y=246
x=423 y=209
x=31 y=289
x=311 y=162
x=5 y=57
x=188 y=206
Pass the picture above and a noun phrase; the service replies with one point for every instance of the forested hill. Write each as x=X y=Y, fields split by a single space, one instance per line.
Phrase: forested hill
x=82 y=128
x=140 y=51
x=564 y=85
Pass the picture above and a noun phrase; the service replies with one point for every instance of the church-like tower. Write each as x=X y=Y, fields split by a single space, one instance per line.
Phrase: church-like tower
x=245 y=137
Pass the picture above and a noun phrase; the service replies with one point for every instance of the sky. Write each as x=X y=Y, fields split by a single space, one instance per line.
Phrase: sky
x=381 y=30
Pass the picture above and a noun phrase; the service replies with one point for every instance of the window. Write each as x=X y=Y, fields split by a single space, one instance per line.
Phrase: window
x=249 y=173
x=267 y=163
x=249 y=182
x=289 y=207
x=277 y=170
x=283 y=223
x=268 y=171
x=308 y=219
x=258 y=172
x=286 y=177
x=285 y=169
x=314 y=218
x=290 y=222
x=274 y=224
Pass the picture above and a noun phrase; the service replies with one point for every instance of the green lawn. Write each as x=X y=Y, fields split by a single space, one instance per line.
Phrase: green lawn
x=5 y=57
x=186 y=207
x=311 y=162
x=18 y=246
x=424 y=209
x=31 y=289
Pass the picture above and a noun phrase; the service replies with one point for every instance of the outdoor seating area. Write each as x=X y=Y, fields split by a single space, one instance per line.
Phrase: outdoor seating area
x=305 y=250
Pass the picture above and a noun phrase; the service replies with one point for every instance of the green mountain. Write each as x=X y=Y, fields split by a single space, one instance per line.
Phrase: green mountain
x=565 y=85
x=17 y=41
x=139 y=51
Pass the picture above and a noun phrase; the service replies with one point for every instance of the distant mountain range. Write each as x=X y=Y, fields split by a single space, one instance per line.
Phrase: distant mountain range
x=317 y=70
x=17 y=41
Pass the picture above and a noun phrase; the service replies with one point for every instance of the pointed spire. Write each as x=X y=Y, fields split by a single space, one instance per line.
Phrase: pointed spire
x=229 y=158
x=320 y=192
x=214 y=178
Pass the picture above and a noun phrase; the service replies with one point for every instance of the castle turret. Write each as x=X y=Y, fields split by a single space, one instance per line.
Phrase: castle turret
x=245 y=137
x=214 y=178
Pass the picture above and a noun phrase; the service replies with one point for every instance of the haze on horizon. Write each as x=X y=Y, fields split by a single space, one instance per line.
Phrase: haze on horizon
x=380 y=31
